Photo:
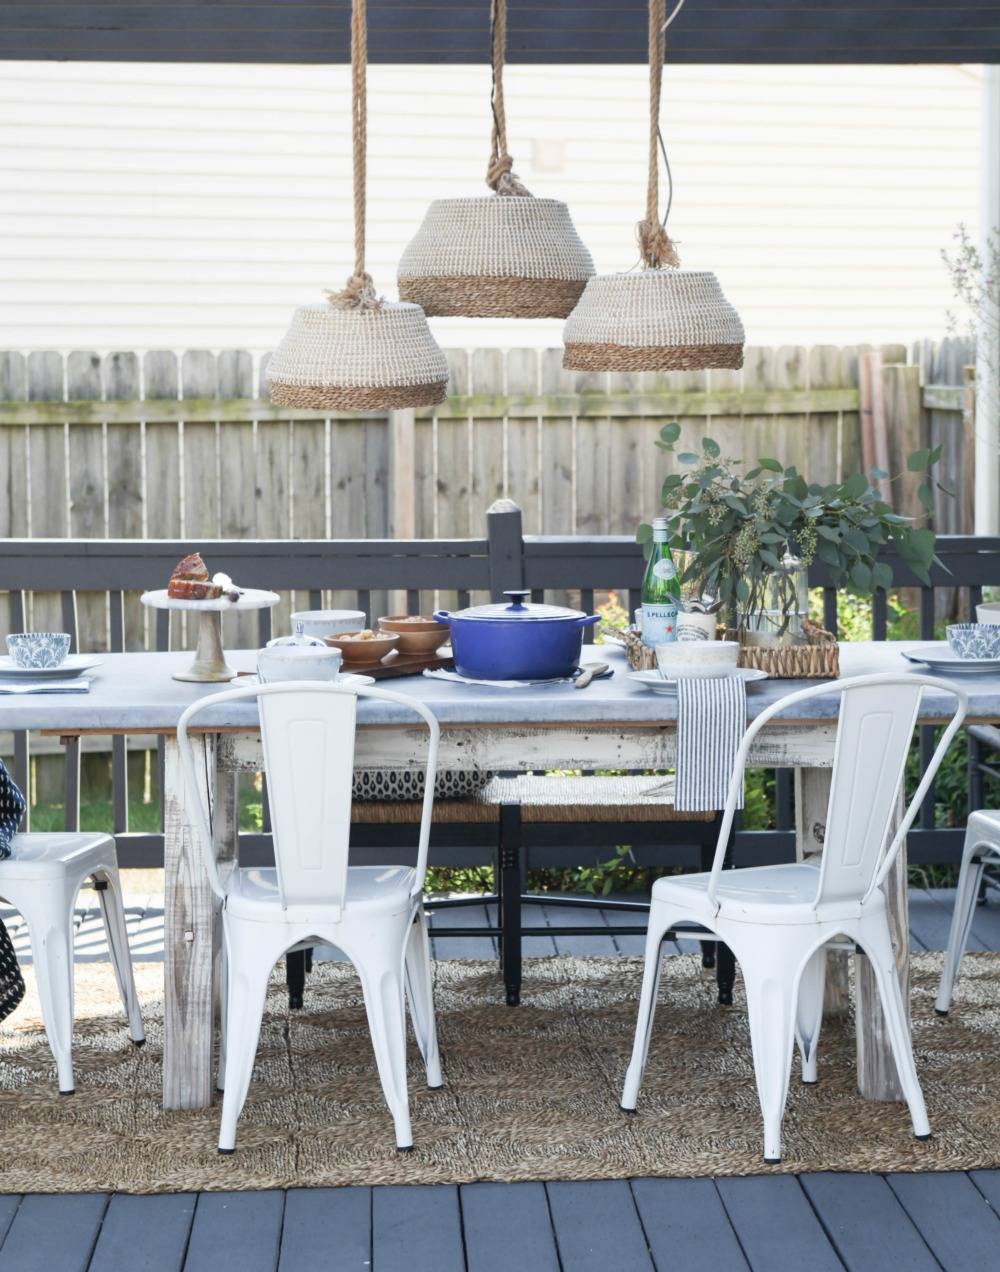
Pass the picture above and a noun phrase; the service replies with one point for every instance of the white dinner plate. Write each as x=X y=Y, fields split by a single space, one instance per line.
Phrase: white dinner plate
x=73 y=665
x=939 y=657
x=654 y=681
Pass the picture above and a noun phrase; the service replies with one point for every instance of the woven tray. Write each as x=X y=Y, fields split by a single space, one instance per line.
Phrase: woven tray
x=819 y=659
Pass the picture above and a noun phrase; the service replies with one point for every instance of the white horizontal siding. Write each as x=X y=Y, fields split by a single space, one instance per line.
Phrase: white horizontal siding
x=184 y=206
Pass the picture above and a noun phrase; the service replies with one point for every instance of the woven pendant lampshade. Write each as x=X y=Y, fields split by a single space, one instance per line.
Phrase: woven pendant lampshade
x=656 y=320
x=358 y=352
x=661 y=318
x=505 y=255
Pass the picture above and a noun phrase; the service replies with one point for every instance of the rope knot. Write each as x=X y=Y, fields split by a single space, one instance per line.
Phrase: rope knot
x=656 y=245
x=500 y=178
x=358 y=293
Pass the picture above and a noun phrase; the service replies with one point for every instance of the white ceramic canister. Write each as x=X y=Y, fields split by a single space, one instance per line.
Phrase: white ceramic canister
x=283 y=660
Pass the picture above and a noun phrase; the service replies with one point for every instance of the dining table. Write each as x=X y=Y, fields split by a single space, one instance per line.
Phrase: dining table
x=615 y=723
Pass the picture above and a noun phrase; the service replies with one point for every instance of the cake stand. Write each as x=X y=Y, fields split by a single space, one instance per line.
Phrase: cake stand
x=209 y=664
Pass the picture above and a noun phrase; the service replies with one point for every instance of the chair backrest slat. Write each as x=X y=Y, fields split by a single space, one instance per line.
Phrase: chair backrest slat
x=308 y=741
x=873 y=739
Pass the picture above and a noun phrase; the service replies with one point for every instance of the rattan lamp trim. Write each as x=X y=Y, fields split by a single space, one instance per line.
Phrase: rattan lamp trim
x=496 y=257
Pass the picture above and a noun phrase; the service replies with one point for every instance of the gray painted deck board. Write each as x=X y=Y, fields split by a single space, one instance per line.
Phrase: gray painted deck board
x=930 y=919
x=597 y=1227
x=506 y=1227
x=988 y=1183
x=868 y=1227
x=461 y=946
x=145 y=1234
x=327 y=1229
x=685 y=1223
x=953 y=1217
x=557 y=916
x=417 y=1229
x=51 y=1233
x=240 y=1230
x=753 y=1205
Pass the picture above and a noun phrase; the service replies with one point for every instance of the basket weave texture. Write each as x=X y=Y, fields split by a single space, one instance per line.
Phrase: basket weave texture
x=659 y=319
x=497 y=256
x=359 y=359
x=819 y=659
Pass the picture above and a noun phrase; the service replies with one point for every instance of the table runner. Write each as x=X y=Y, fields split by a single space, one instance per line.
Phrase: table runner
x=711 y=721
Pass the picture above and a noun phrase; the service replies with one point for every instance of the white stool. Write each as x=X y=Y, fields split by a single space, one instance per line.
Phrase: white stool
x=982 y=845
x=41 y=878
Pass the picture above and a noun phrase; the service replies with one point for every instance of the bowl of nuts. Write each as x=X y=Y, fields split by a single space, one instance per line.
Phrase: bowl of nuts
x=417 y=633
x=364 y=647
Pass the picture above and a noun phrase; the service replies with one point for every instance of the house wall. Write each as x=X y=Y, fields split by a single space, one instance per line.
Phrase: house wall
x=176 y=206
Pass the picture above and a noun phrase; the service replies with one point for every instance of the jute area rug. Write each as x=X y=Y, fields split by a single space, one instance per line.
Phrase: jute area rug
x=530 y=1093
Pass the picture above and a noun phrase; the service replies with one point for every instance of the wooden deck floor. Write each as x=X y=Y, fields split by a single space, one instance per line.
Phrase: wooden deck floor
x=864 y=1223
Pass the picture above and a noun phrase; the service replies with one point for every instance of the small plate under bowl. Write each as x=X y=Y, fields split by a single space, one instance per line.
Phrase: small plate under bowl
x=654 y=681
x=939 y=657
x=73 y=665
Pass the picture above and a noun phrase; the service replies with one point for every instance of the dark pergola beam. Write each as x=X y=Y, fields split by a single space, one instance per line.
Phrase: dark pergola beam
x=553 y=31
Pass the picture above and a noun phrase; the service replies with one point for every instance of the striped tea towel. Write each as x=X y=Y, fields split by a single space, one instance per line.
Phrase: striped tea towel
x=711 y=720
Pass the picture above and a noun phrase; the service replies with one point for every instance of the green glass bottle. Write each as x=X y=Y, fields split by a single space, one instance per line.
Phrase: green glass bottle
x=661 y=589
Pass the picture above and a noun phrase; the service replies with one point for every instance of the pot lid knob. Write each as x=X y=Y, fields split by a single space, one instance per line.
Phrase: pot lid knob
x=518 y=599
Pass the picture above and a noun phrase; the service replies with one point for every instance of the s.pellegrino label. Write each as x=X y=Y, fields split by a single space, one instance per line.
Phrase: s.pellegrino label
x=660 y=590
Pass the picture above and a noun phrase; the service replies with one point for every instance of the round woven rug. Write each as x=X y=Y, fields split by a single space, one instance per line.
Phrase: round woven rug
x=530 y=1093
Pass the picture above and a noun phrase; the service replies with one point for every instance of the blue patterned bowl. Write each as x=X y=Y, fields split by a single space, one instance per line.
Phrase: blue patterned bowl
x=38 y=651
x=974 y=640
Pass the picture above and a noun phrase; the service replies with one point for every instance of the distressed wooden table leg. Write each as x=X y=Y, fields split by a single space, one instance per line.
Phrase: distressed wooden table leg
x=189 y=939
x=812 y=799
x=877 y=1078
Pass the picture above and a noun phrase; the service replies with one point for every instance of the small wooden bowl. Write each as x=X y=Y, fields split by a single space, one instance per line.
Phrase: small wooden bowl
x=417 y=635
x=363 y=651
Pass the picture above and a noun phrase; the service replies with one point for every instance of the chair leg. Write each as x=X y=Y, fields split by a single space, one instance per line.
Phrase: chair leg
x=249 y=963
x=52 y=950
x=769 y=974
x=109 y=898
x=295 y=978
x=420 y=993
x=511 y=887
x=380 y=970
x=969 y=878
x=809 y=1013
x=877 y=944
x=222 y=981
x=647 y=1008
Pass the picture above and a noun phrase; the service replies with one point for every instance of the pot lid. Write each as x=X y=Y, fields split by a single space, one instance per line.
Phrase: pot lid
x=519 y=607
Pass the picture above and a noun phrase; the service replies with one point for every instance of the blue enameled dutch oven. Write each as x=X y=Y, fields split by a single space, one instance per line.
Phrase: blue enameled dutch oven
x=516 y=640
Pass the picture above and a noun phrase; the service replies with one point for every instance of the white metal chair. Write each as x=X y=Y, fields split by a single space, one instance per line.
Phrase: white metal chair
x=374 y=914
x=982 y=846
x=41 y=879
x=778 y=919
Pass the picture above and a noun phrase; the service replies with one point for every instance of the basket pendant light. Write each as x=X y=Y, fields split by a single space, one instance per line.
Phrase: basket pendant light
x=357 y=352
x=505 y=255
x=661 y=318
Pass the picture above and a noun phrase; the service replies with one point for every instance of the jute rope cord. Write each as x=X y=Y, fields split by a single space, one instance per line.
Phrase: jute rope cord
x=508 y=255
x=655 y=244
x=528 y=1094
x=358 y=352
x=499 y=174
x=661 y=318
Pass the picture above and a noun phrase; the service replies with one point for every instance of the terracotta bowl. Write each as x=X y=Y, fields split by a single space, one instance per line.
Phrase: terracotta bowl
x=363 y=651
x=417 y=635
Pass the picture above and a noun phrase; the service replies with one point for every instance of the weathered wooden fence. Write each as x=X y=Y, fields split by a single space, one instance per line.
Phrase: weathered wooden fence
x=168 y=447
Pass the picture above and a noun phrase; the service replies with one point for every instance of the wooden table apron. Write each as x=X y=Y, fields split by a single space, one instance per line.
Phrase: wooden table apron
x=192 y=929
